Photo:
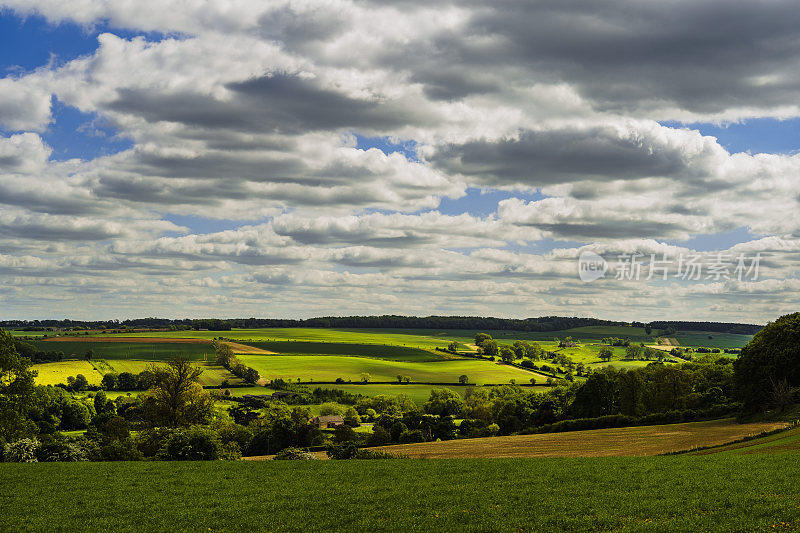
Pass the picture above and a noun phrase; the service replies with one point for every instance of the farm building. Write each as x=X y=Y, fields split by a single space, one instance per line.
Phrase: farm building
x=327 y=421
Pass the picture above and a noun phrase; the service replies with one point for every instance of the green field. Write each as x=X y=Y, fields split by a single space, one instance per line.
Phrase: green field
x=125 y=350
x=55 y=373
x=376 y=351
x=718 y=340
x=330 y=367
x=431 y=338
x=18 y=333
x=212 y=374
x=683 y=493
x=415 y=338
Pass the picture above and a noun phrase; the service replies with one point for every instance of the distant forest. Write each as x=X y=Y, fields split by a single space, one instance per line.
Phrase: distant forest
x=545 y=323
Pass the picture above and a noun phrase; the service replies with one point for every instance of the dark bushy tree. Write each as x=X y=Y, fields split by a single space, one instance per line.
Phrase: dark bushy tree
x=773 y=355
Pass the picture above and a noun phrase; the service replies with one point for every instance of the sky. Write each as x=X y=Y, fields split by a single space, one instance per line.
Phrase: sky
x=310 y=158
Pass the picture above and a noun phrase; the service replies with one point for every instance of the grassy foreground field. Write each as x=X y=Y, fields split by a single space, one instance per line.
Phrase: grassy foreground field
x=714 y=493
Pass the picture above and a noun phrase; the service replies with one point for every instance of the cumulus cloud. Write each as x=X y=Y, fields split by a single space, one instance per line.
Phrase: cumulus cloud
x=251 y=112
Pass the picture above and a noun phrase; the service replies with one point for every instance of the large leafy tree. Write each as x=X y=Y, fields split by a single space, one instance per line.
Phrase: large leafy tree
x=770 y=362
x=177 y=398
x=16 y=392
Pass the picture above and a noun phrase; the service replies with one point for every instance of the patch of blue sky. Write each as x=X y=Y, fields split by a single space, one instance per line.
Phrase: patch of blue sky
x=711 y=242
x=762 y=135
x=199 y=225
x=388 y=145
x=483 y=202
x=30 y=42
x=74 y=134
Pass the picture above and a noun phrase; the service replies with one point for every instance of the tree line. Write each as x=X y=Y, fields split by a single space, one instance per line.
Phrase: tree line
x=539 y=324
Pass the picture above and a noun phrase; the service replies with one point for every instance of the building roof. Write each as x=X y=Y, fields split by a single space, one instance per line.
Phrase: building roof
x=329 y=418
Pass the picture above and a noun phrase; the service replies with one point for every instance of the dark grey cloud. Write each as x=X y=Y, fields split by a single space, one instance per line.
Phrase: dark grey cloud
x=623 y=55
x=279 y=103
x=556 y=156
x=611 y=229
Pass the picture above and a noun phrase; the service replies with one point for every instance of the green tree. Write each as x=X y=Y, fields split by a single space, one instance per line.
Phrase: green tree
x=444 y=402
x=74 y=415
x=79 y=383
x=16 y=392
x=177 y=399
x=772 y=356
x=453 y=346
x=480 y=338
x=633 y=352
x=463 y=379
x=110 y=381
x=127 y=381
x=507 y=354
x=606 y=353
x=223 y=354
x=534 y=351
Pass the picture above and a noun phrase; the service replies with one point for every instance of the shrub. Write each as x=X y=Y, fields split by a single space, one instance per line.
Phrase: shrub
x=414 y=435
x=61 y=451
x=293 y=454
x=21 y=451
x=74 y=415
x=120 y=450
x=351 y=451
x=193 y=444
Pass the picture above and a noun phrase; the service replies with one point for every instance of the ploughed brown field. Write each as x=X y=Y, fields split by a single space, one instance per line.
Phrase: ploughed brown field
x=631 y=441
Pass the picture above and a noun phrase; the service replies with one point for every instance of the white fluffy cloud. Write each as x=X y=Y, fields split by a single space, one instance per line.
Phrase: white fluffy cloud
x=250 y=112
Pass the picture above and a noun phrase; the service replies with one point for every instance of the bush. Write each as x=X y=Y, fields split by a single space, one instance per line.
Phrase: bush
x=193 y=444
x=120 y=450
x=351 y=451
x=74 y=415
x=63 y=452
x=293 y=454
x=414 y=435
x=21 y=451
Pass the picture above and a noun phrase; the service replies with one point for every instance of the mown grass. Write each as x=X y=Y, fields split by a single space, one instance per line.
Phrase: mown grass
x=715 y=493
x=331 y=367
x=376 y=351
x=627 y=441
x=783 y=441
x=124 y=350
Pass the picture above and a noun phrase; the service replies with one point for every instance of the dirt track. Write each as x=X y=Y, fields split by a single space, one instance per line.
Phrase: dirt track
x=246 y=350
